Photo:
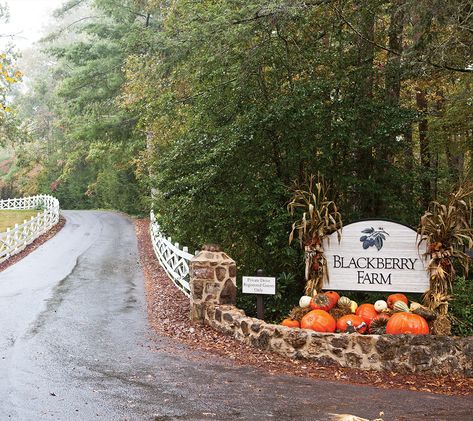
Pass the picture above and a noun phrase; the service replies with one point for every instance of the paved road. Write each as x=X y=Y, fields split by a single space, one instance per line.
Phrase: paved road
x=75 y=345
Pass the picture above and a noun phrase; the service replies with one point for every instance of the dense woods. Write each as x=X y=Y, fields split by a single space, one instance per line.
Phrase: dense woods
x=218 y=107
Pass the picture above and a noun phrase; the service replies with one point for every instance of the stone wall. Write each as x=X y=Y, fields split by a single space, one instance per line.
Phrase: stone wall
x=402 y=353
x=213 y=294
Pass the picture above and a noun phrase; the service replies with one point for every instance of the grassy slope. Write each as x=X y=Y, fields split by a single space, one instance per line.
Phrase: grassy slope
x=8 y=218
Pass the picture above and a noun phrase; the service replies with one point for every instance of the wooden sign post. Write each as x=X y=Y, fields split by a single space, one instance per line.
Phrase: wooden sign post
x=261 y=286
x=376 y=256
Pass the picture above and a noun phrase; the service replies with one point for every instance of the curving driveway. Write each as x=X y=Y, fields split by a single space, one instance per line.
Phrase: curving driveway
x=75 y=345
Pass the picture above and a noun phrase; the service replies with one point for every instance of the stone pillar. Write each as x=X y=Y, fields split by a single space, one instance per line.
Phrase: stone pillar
x=212 y=281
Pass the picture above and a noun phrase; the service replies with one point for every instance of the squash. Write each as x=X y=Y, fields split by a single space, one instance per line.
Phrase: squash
x=378 y=324
x=353 y=306
x=334 y=297
x=321 y=302
x=407 y=323
x=400 y=306
x=344 y=302
x=305 y=301
x=414 y=306
x=396 y=297
x=380 y=306
x=367 y=312
x=290 y=323
x=318 y=320
x=351 y=322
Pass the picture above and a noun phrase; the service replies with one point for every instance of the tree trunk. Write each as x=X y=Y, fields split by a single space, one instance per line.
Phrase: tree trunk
x=393 y=65
x=455 y=158
x=364 y=153
x=425 y=155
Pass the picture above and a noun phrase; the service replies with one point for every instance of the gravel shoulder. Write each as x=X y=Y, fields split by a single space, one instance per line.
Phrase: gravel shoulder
x=168 y=314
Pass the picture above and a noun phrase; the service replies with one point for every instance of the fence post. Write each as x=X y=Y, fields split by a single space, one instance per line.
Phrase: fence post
x=212 y=281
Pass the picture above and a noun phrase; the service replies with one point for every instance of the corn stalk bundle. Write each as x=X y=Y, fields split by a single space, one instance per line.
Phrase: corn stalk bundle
x=447 y=229
x=318 y=217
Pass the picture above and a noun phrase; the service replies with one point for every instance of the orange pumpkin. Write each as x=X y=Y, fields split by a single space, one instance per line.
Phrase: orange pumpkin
x=321 y=302
x=355 y=321
x=290 y=323
x=333 y=296
x=396 y=297
x=367 y=312
x=407 y=323
x=318 y=320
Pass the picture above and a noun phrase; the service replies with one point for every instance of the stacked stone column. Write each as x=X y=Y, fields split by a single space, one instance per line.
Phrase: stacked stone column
x=212 y=281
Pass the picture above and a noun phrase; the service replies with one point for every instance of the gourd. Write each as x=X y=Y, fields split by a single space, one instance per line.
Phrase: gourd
x=353 y=306
x=400 y=306
x=414 y=306
x=426 y=313
x=290 y=323
x=351 y=322
x=380 y=306
x=378 y=324
x=318 y=320
x=321 y=302
x=333 y=296
x=344 y=302
x=305 y=301
x=396 y=297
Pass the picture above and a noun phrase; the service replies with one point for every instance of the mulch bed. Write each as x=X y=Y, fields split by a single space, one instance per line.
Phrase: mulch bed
x=34 y=245
x=168 y=313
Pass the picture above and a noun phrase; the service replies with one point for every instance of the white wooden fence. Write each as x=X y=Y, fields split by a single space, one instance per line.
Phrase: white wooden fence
x=16 y=239
x=173 y=260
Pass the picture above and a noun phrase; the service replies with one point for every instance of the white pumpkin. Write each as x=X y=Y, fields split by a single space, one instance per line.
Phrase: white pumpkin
x=304 y=301
x=380 y=305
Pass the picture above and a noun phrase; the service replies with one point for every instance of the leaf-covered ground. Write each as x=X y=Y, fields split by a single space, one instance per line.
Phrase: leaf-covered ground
x=168 y=312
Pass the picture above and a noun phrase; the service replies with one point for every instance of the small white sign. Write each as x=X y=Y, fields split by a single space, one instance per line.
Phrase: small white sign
x=376 y=256
x=259 y=285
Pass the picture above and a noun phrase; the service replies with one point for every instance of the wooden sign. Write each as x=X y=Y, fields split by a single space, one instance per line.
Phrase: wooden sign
x=376 y=256
x=259 y=285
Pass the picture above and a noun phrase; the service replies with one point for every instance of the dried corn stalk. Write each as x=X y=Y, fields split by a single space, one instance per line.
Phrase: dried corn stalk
x=447 y=229
x=318 y=217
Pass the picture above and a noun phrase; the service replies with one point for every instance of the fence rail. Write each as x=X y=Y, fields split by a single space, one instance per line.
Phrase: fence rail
x=173 y=260
x=16 y=239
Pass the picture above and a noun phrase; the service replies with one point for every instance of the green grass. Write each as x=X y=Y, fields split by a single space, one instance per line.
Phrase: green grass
x=8 y=218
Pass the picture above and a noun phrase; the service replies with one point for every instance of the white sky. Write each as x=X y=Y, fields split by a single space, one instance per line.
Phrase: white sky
x=27 y=20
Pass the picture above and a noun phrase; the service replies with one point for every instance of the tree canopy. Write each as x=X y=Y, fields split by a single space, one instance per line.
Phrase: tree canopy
x=217 y=107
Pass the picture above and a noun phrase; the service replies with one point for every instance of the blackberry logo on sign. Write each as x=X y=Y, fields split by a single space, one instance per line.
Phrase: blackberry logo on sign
x=373 y=238
x=388 y=258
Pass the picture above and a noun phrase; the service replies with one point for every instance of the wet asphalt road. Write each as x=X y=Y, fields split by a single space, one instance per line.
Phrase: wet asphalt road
x=75 y=345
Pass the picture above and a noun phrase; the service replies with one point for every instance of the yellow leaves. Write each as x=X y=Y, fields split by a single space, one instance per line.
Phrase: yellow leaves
x=8 y=77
